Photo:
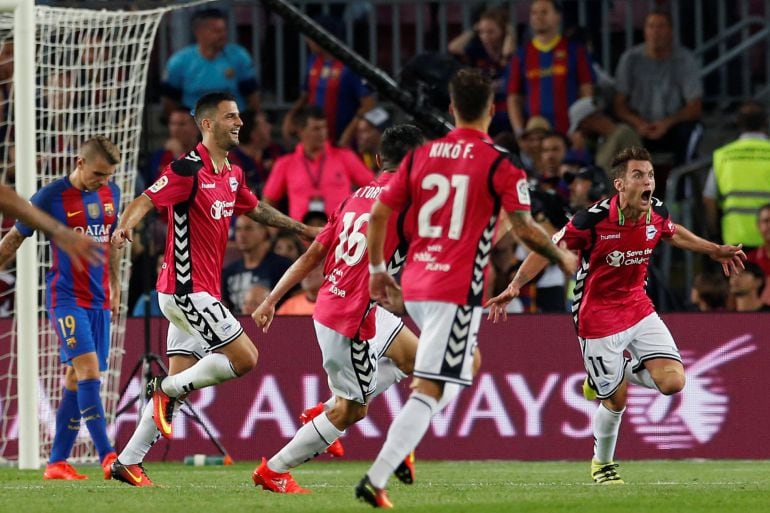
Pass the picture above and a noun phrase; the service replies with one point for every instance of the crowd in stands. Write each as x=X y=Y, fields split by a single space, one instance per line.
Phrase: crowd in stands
x=559 y=114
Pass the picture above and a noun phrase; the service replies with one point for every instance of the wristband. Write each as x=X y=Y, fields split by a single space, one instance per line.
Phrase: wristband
x=379 y=268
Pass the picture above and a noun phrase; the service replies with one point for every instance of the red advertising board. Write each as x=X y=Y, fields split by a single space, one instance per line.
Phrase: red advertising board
x=525 y=403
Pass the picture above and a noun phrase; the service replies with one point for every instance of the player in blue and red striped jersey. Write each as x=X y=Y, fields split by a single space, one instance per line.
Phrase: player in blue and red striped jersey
x=456 y=186
x=612 y=312
x=549 y=73
x=80 y=297
x=334 y=87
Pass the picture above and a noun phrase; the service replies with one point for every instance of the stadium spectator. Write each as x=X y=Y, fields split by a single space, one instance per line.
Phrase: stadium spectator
x=549 y=73
x=258 y=264
x=200 y=193
x=761 y=255
x=369 y=128
x=315 y=218
x=596 y=131
x=739 y=181
x=254 y=298
x=589 y=185
x=257 y=152
x=746 y=290
x=345 y=322
x=316 y=176
x=553 y=151
x=531 y=143
x=452 y=235
x=288 y=245
x=487 y=47
x=147 y=304
x=183 y=136
x=303 y=302
x=659 y=91
x=709 y=292
x=79 y=297
x=211 y=64
x=331 y=85
x=611 y=310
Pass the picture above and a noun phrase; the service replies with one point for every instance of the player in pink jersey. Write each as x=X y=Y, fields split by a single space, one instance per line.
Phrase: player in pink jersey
x=456 y=187
x=612 y=312
x=365 y=348
x=206 y=345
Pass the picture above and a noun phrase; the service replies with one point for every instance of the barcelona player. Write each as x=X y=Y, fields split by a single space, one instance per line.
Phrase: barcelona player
x=80 y=297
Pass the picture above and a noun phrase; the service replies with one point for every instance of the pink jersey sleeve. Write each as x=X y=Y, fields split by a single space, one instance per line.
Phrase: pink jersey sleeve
x=170 y=189
x=511 y=184
x=245 y=200
x=328 y=234
x=275 y=187
x=669 y=229
x=396 y=193
x=574 y=238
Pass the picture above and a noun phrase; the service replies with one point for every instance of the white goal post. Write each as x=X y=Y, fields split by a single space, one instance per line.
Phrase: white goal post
x=76 y=73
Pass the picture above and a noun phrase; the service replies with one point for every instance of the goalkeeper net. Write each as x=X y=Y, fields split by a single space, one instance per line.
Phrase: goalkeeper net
x=90 y=75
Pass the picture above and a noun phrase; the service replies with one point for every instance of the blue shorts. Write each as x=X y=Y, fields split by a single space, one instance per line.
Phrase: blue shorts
x=81 y=331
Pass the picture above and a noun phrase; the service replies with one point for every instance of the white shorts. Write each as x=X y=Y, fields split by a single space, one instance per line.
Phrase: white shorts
x=200 y=323
x=604 y=357
x=351 y=365
x=448 y=337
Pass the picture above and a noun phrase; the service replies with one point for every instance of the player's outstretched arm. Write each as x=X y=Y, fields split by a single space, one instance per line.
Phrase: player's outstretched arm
x=9 y=245
x=537 y=240
x=135 y=212
x=312 y=258
x=379 y=279
x=529 y=268
x=115 y=254
x=265 y=214
x=76 y=245
x=731 y=257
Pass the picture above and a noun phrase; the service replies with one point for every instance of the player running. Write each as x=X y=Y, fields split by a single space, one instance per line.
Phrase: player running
x=206 y=344
x=456 y=187
x=611 y=310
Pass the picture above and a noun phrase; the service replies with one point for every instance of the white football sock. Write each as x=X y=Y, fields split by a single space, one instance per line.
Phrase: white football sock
x=210 y=370
x=404 y=434
x=606 y=427
x=641 y=378
x=451 y=390
x=310 y=441
x=144 y=437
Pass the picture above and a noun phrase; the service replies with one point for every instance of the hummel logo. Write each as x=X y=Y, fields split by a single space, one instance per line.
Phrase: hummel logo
x=73 y=214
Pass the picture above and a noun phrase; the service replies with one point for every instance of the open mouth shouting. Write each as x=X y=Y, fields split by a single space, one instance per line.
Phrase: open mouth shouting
x=646 y=197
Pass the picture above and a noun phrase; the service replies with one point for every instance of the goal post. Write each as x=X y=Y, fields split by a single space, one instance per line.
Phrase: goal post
x=74 y=73
x=26 y=302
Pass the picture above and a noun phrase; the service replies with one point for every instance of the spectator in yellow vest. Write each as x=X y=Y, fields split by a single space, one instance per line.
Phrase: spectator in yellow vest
x=739 y=181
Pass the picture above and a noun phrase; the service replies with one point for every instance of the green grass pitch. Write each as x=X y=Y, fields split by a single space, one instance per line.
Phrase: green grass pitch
x=442 y=486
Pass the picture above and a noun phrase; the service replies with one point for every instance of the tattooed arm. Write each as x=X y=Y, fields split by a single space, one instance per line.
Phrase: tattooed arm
x=265 y=214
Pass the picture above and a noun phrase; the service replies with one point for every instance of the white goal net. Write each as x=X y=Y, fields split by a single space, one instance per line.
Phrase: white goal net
x=90 y=75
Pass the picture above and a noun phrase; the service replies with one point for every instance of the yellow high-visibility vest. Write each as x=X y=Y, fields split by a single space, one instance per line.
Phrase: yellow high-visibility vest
x=742 y=172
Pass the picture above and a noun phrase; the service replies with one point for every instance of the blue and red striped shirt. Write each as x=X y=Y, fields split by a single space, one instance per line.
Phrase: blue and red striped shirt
x=549 y=78
x=337 y=90
x=94 y=213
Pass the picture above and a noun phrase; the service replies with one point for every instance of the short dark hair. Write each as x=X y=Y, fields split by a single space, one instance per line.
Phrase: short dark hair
x=766 y=206
x=558 y=6
x=712 y=288
x=308 y=112
x=558 y=135
x=752 y=116
x=470 y=91
x=396 y=142
x=756 y=270
x=209 y=102
x=662 y=12
x=103 y=147
x=211 y=13
x=620 y=161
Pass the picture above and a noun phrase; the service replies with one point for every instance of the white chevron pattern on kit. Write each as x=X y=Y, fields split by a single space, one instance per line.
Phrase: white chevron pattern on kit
x=580 y=282
x=602 y=205
x=482 y=256
x=195 y=319
x=361 y=362
x=396 y=261
x=458 y=336
x=181 y=249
